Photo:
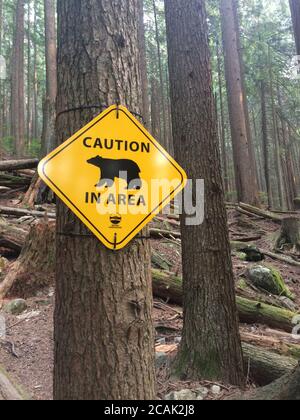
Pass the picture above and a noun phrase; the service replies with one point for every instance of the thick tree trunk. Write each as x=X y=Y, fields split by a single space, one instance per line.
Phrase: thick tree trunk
x=295 y=10
x=104 y=298
x=210 y=345
x=245 y=170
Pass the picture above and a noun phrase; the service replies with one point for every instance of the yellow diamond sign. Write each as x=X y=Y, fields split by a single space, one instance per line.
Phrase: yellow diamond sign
x=114 y=176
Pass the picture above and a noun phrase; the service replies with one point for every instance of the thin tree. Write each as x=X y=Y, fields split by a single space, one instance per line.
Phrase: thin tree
x=266 y=145
x=17 y=83
x=1 y=96
x=34 y=134
x=295 y=10
x=245 y=170
x=48 y=136
x=222 y=120
x=210 y=346
x=161 y=77
x=143 y=64
x=104 y=340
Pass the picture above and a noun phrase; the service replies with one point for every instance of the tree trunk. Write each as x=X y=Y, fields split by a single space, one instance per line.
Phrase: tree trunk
x=28 y=71
x=104 y=298
x=210 y=345
x=34 y=269
x=222 y=125
x=17 y=85
x=161 y=79
x=155 y=111
x=266 y=147
x=295 y=10
x=48 y=136
x=290 y=234
x=245 y=171
x=143 y=65
x=277 y=160
x=35 y=81
x=1 y=94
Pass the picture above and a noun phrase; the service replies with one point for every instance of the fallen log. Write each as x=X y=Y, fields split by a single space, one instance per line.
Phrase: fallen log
x=168 y=286
x=20 y=212
x=8 y=391
x=12 y=165
x=265 y=366
x=162 y=233
x=13 y=181
x=287 y=260
x=12 y=237
x=286 y=388
x=259 y=212
x=279 y=346
x=262 y=366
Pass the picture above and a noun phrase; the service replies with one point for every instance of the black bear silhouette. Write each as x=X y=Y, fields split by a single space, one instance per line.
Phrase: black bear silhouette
x=117 y=168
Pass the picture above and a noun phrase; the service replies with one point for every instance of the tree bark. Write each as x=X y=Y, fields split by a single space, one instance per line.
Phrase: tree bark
x=290 y=234
x=161 y=79
x=48 y=136
x=222 y=124
x=155 y=111
x=266 y=366
x=210 y=345
x=104 y=298
x=295 y=10
x=34 y=269
x=143 y=65
x=245 y=171
x=266 y=146
x=17 y=85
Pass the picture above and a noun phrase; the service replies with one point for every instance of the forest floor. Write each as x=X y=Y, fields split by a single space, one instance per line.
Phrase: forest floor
x=29 y=358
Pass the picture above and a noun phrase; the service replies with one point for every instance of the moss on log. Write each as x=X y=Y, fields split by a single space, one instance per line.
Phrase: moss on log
x=168 y=286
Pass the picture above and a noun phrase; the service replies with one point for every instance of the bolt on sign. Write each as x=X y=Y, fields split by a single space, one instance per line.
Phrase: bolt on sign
x=114 y=176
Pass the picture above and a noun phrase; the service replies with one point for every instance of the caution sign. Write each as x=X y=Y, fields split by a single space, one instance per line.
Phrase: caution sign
x=114 y=176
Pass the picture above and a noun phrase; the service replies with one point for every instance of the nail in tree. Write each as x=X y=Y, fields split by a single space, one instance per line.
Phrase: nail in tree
x=104 y=347
x=210 y=345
